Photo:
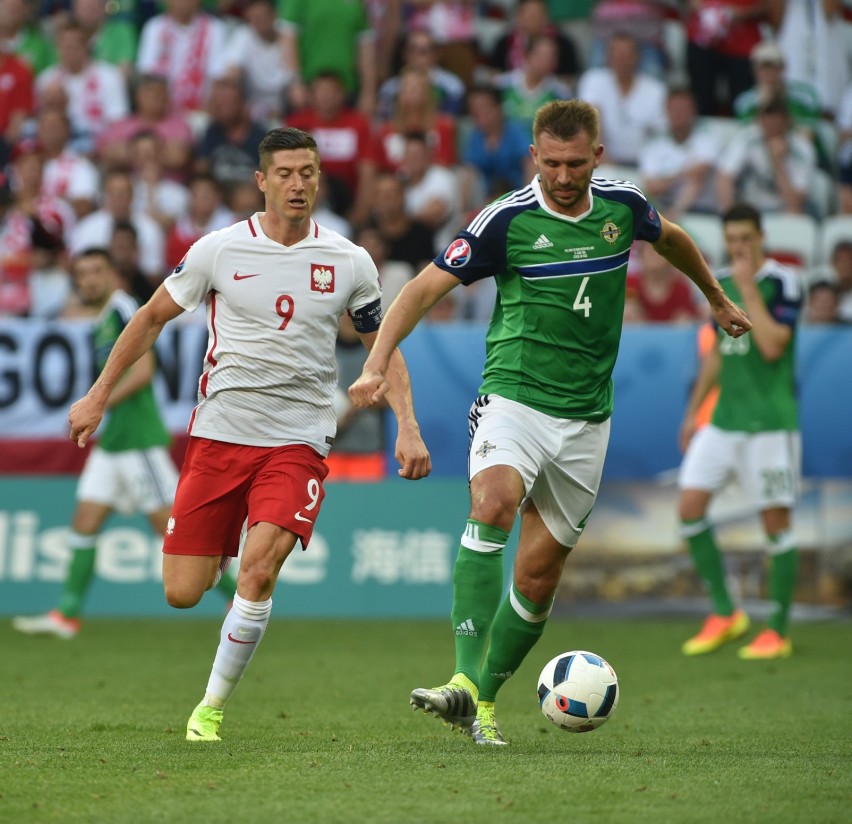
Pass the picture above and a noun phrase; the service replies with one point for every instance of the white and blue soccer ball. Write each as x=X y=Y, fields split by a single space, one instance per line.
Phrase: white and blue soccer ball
x=578 y=691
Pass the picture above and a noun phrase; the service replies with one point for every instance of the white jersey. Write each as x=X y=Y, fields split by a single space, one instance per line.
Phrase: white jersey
x=272 y=317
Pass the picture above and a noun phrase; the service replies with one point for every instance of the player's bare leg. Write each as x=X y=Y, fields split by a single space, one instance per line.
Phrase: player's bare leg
x=266 y=548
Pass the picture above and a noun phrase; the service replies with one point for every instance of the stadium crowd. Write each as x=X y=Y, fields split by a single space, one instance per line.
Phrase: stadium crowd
x=134 y=125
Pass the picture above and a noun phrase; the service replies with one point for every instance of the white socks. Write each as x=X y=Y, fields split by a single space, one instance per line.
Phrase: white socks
x=242 y=630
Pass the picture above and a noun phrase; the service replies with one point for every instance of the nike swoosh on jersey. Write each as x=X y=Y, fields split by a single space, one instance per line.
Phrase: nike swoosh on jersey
x=300 y=517
x=237 y=640
x=238 y=276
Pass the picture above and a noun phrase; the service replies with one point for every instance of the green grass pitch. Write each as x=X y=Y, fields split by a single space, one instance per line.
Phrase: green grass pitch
x=320 y=730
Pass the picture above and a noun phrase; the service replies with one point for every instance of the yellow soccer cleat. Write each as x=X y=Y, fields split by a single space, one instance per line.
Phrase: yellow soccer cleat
x=766 y=646
x=716 y=631
x=485 y=730
x=203 y=724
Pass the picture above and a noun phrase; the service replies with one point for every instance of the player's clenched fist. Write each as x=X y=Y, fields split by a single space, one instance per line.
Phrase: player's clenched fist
x=369 y=389
x=84 y=417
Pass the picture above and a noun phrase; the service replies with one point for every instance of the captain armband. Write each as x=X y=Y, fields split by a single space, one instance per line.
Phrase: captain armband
x=367 y=318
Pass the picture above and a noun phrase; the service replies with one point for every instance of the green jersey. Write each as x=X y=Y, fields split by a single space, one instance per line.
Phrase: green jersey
x=757 y=395
x=554 y=334
x=135 y=423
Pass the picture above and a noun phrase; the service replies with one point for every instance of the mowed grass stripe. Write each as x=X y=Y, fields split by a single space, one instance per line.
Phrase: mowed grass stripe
x=320 y=730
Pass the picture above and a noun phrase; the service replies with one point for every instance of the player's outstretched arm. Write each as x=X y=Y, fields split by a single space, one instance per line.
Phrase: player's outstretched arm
x=413 y=301
x=679 y=249
x=136 y=339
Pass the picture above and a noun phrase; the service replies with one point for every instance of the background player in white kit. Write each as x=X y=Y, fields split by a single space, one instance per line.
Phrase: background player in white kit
x=275 y=286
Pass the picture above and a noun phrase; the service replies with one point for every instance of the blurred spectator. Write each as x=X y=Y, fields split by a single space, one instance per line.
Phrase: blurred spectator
x=644 y=20
x=324 y=212
x=844 y=154
x=152 y=113
x=770 y=81
x=95 y=230
x=205 y=213
x=767 y=164
x=526 y=89
x=496 y=153
x=228 y=149
x=803 y=101
x=124 y=249
x=358 y=451
x=415 y=112
x=327 y=35
x=419 y=53
x=21 y=35
x=841 y=274
x=813 y=36
x=155 y=194
x=720 y=37
x=96 y=91
x=113 y=38
x=67 y=174
x=431 y=191
x=823 y=303
x=49 y=281
x=27 y=176
x=632 y=105
x=531 y=21
x=385 y=18
x=244 y=200
x=343 y=137
x=393 y=274
x=255 y=53
x=16 y=95
x=663 y=293
x=408 y=240
x=15 y=254
x=452 y=26
x=185 y=45
x=678 y=167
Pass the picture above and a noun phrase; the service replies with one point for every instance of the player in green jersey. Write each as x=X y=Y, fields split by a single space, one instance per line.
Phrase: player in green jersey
x=558 y=251
x=130 y=468
x=753 y=436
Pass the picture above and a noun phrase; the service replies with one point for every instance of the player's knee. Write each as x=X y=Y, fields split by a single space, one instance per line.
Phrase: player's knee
x=182 y=595
x=691 y=507
x=494 y=509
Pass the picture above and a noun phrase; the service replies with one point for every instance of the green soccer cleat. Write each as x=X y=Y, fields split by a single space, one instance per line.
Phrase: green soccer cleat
x=453 y=703
x=485 y=730
x=203 y=724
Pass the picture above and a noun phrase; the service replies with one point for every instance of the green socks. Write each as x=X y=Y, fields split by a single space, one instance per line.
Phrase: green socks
x=79 y=575
x=477 y=589
x=517 y=626
x=782 y=579
x=708 y=561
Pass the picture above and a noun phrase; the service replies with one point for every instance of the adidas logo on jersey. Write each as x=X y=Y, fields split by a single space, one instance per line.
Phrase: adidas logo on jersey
x=466 y=628
x=542 y=243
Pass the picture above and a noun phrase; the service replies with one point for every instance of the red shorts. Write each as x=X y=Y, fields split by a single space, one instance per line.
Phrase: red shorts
x=223 y=484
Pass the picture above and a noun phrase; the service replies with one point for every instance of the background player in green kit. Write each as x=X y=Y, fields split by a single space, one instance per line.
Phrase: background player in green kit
x=130 y=468
x=753 y=436
x=558 y=251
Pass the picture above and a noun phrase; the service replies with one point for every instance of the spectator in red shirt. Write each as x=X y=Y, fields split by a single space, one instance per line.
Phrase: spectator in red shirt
x=663 y=293
x=16 y=95
x=343 y=137
x=416 y=112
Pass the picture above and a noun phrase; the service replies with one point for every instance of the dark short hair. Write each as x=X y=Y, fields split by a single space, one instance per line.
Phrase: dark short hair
x=819 y=285
x=93 y=251
x=284 y=139
x=743 y=211
x=125 y=226
x=486 y=90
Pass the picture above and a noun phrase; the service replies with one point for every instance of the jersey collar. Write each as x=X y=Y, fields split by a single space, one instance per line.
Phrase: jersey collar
x=536 y=187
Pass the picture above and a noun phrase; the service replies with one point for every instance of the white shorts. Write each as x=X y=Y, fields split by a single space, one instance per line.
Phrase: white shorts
x=138 y=480
x=560 y=460
x=767 y=465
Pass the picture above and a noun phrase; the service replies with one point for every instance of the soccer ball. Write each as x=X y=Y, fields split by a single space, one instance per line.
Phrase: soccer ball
x=578 y=691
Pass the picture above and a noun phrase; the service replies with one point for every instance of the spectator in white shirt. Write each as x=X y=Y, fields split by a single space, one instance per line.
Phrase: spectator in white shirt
x=632 y=105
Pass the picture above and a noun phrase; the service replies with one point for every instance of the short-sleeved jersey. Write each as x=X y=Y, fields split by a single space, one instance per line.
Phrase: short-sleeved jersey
x=135 y=422
x=556 y=326
x=272 y=317
x=757 y=395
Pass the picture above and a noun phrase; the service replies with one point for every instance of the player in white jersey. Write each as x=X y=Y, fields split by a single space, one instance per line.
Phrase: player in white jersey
x=275 y=286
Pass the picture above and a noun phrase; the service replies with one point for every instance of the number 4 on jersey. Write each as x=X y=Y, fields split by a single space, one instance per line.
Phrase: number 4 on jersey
x=582 y=302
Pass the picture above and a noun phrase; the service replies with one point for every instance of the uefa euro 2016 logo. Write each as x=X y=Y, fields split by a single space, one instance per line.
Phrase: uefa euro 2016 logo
x=458 y=253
